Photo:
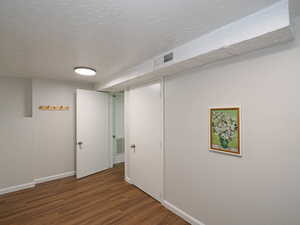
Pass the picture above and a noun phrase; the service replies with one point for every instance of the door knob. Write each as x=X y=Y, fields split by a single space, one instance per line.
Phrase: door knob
x=80 y=143
x=133 y=147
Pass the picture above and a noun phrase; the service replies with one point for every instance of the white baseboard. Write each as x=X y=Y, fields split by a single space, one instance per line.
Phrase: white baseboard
x=16 y=188
x=36 y=181
x=54 y=177
x=181 y=213
x=128 y=180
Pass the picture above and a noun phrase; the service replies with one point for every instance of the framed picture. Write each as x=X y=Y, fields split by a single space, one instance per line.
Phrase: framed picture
x=224 y=129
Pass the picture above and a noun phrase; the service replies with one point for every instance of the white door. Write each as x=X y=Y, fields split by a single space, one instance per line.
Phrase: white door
x=92 y=129
x=145 y=135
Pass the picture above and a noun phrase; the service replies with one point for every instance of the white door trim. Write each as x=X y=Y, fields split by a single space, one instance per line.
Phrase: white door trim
x=110 y=129
x=163 y=125
x=126 y=135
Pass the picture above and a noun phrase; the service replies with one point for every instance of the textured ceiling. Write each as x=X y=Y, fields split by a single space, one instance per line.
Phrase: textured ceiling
x=47 y=38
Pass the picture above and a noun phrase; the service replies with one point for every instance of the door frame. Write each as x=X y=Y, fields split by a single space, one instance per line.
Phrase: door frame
x=112 y=113
x=110 y=129
x=128 y=177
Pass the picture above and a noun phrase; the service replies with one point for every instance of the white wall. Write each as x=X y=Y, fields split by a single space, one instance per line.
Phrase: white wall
x=54 y=130
x=262 y=187
x=119 y=115
x=38 y=146
x=16 y=133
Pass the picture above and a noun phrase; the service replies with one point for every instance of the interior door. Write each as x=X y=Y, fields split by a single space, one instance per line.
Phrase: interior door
x=145 y=135
x=92 y=129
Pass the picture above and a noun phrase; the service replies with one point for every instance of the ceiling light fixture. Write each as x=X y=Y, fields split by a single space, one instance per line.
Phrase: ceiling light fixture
x=85 y=71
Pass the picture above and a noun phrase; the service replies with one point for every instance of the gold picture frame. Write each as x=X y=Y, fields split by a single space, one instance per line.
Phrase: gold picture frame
x=225 y=130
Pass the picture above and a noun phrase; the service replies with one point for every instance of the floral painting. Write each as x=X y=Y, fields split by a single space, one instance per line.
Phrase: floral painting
x=225 y=130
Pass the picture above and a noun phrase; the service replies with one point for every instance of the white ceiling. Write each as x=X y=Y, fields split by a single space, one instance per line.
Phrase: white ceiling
x=47 y=38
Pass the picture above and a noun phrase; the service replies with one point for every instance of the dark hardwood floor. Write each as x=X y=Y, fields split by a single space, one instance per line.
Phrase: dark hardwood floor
x=101 y=199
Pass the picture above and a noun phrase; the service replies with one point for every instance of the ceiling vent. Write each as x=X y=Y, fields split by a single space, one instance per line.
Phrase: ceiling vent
x=162 y=60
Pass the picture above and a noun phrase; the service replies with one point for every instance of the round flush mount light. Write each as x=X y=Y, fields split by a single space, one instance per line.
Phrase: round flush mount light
x=85 y=71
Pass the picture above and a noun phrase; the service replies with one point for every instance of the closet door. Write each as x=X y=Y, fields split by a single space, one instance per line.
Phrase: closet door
x=145 y=138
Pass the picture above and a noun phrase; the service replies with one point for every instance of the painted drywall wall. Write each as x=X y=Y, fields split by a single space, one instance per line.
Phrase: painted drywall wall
x=54 y=136
x=262 y=187
x=16 y=132
x=119 y=115
x=33 y=143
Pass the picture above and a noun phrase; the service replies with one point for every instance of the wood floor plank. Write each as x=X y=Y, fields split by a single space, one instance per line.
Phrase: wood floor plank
x=101 y=199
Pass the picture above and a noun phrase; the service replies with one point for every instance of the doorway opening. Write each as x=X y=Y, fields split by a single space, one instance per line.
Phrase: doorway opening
x=117 y=128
